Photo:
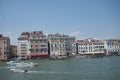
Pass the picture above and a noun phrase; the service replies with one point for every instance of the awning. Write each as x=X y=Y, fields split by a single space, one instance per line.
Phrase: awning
x=35 y=54
x=38 y=55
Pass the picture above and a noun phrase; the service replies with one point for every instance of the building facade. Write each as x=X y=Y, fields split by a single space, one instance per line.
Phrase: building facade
x=4 y=47
x=90 y=46
x=112 y=46
x=13 y=51
x=23 y=44
x=61 y=44
x=32 y=44
x=38 y=43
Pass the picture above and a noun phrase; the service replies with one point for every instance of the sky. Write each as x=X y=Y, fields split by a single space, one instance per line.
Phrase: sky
x=99 y=19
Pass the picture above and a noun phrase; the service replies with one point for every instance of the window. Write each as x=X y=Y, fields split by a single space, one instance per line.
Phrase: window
x=4 y=42
x=31 y=50
x=23 y=44
x=40 y=41
x=31 y=46
x=36 y=41
x=36 y=45
x=42 y=45
x=44 y=41
x=37 y=50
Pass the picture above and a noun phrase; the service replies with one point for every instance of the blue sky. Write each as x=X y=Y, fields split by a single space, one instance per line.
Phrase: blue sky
x=98 y=19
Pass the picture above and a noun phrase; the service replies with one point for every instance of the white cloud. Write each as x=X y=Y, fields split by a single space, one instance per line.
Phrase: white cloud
x=76 y=33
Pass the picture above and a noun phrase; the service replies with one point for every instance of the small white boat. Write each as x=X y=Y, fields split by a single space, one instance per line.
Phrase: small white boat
x=10 y=62
x=23 y=64
x=19 y=70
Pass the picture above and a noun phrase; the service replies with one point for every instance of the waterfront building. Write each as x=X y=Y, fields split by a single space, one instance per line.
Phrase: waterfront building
x=4 y=47
x=23 y=43
x=33 y=44
x=61 y=44
x=90 y=46
x=112 y=46
x=38 y=43
x=13 y=51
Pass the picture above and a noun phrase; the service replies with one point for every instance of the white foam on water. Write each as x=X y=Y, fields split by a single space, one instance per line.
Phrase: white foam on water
x=42 y=72
x=48 y=72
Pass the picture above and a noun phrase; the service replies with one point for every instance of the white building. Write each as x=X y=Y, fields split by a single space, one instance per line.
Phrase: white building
x=112 y=46
x=61 y=44
x=90 y=46
x=23 y=44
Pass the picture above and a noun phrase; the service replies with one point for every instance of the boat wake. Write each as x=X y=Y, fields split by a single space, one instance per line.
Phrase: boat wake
x=38 y=72
x=21 y=64
x=21 y=67
x=48 y=72
x=18 y=70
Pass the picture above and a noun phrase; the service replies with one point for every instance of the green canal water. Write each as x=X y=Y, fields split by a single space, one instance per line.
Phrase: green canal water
x=71 y=69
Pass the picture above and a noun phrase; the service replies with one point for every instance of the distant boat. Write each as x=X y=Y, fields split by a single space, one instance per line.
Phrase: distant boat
x=10 y=62
x=19 y=70
x=81 y=56
x=61 y=57
x=23 y=64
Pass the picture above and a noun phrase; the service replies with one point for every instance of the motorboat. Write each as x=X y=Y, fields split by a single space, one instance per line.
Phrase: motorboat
x=19 y=70
x=23 y=64
x=10 y=62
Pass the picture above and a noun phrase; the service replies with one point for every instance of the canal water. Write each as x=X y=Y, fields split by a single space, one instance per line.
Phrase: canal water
x=70 y=69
